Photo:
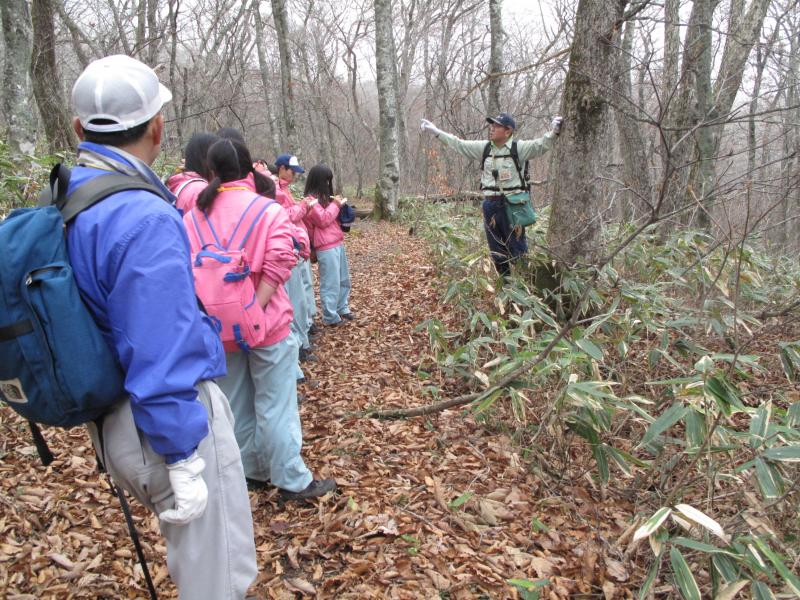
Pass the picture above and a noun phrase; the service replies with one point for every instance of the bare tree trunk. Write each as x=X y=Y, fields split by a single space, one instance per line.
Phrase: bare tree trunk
x=574 y=232
x=744 y=31
x=389 y=170
x=174 y=11
x=684 y=130
x=274 y=137
x=46 y=80
x=79 y=38
x=281 y=18
x=635 y=162
x=495 y=55
x=17 y=105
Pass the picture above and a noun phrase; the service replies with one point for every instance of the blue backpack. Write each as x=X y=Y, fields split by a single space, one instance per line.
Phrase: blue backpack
x=55 y=366
x=347 y=216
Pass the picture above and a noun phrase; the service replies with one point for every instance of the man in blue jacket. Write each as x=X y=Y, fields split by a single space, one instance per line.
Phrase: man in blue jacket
x=170 y=443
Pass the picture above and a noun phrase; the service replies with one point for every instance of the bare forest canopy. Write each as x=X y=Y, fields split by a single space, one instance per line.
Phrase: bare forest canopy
x=698 y=100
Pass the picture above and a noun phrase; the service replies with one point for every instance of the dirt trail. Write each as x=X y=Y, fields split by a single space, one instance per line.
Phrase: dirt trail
x=437 y=507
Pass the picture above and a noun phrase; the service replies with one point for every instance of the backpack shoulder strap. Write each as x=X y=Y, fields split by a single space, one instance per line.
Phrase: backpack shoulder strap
x=185 y=184
x=264 y=208
x=523 y=176
x=90 y=193
x=487 y=150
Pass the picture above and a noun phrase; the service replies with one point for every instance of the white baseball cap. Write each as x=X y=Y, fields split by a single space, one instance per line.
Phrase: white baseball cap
x=117 y=93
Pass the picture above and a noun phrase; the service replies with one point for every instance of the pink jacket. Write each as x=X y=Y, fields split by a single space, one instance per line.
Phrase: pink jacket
x=269 y=248
x=296 y=212
x=323 y=227
x=188 y=193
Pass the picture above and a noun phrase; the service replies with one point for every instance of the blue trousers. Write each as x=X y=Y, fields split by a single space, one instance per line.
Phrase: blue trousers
x=262 y=390
x=297 y=295
x=308 y=288
x=504 y=245
x=334 y=283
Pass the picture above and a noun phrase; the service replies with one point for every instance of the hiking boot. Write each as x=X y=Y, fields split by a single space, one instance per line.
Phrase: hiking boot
x=256 y=485
x=315 y=489
x=306 y=356
x=348 y=315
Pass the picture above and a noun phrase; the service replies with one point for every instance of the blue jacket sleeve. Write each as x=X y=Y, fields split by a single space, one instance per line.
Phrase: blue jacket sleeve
x=158 y=333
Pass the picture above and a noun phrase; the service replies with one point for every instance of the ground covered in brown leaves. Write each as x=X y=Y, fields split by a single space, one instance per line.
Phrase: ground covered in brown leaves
x=442 y=506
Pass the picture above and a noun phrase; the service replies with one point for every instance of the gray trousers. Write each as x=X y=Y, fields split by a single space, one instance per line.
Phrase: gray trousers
x=212 y=557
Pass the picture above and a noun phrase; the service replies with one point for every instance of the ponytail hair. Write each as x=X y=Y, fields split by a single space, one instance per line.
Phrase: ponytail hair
x=319 y=183
x=228 y=160
x=264 y=185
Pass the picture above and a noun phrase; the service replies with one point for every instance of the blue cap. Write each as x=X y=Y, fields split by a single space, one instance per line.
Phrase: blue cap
x=504 y=120
x=290 y=162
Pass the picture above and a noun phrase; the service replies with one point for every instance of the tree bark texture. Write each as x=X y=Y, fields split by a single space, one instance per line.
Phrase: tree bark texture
x=281 y=19
x=263 y=67
x=574 y=232
x=683 y=125
x=635 y=161
x=389 y=168
x=495 y=55
x=46 y=81
x=17 y=105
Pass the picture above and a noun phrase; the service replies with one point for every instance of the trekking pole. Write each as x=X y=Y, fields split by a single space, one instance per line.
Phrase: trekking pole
x=126 y=510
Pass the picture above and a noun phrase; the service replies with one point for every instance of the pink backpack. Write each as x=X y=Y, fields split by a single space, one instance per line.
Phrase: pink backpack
x=223 y=283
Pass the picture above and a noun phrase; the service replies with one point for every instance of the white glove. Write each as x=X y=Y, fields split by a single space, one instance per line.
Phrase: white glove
x=426 y=125
x=556 y=123
x=311 y=202
x=189 y=490
x=342 y=200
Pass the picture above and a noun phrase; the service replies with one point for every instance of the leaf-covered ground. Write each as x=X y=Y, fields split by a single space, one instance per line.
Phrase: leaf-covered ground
x=443 y=506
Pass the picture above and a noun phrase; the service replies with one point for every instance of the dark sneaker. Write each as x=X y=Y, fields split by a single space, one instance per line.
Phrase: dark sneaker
x=313 y=330
x=349 y=316
x=306 y=356
x=315 y=489
x=256 y=485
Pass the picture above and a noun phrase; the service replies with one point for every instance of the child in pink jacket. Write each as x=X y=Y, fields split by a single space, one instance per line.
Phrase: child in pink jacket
x=327 y=240
x=260 y=384
x=188 y=184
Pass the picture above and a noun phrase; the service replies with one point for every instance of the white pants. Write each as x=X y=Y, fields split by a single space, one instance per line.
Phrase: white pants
x=212 y=557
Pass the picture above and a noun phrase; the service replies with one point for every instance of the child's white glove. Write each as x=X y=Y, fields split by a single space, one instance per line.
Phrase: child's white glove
x=426 y=125
x=311 y=202
x=189 y=490
x=556 y=123
x=342 y=200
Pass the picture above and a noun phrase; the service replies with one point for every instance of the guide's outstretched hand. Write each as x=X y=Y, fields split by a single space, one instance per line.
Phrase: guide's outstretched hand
x=426 y=125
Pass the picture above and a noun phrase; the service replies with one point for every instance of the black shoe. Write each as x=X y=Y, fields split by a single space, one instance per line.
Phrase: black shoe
x=349 y=316
x=300 y=398
x=315 y=489
x=306 y=356
x=256 y=485
x=313 y=330
x=337 y=324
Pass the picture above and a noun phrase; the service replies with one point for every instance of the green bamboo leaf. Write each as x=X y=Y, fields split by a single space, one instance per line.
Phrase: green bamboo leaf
x=759 y=425
x=726 y=567
x=461 y=500
x=599 y=452
x=590 y=348
x=668 y=418
x=702 y=547
x=644 y=591
x=683 y=575
x=652 y=524
x=723 y=392
x=783 y=453
x=768 y=478
x=790 y=578
x=695 y=429
x=761 y=591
